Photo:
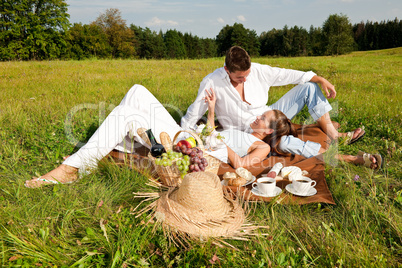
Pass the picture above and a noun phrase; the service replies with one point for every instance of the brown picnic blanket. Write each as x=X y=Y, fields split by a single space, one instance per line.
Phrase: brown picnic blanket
x=313 y=166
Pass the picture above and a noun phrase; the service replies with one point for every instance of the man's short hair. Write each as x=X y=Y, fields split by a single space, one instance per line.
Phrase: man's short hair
x=237 y=59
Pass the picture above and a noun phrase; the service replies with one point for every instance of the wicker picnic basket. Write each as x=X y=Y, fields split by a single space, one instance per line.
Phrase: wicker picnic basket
x=170 y=175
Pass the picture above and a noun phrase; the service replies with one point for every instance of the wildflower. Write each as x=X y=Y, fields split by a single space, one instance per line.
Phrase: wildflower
x=356 y=178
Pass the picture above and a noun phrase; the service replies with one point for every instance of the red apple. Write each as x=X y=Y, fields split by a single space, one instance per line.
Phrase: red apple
x=184 y=142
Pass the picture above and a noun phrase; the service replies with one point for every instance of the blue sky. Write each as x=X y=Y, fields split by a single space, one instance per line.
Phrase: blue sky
x=206 y=18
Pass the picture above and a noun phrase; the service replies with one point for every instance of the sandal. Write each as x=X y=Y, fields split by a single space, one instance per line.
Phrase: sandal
x=367 y=159
x=349 y=137
x=45 y=182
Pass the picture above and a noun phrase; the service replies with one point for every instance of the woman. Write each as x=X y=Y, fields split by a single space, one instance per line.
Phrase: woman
x=277 y=131
x=139 y=109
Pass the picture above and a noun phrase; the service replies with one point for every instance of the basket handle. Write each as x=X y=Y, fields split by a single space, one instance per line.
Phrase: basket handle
x=192 y=133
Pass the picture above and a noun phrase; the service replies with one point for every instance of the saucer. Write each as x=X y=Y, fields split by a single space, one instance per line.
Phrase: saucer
x=257 y=193
x=290 y=189
x=225 y=183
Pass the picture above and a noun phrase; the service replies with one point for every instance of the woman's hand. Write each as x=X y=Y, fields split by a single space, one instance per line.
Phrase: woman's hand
x=210 y=98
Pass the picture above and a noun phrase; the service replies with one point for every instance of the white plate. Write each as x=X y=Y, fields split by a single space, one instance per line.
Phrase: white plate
x=225 y=182
x=290 y=189
x=277 y=192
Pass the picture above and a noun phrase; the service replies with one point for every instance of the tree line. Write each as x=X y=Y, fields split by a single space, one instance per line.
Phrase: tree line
x=40 y=30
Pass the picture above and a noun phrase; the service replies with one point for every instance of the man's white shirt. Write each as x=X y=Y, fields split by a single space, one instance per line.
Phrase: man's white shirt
x=231 y=111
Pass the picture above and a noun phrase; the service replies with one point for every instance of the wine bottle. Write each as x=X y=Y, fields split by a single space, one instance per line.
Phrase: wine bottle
x=157 y=149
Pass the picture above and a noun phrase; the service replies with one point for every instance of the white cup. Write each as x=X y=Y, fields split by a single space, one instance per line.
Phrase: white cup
x=265 y=185
x=303 y=185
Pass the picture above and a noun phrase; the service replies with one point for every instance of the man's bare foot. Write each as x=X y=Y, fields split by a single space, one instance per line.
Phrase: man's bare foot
x=352 y=136
x=62 y=174
x=356 y=133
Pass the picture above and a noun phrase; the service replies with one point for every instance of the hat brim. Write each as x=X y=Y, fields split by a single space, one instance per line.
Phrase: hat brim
x=196 y=223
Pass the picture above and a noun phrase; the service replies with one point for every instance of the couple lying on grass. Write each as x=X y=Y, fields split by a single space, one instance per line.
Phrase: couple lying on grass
x=237 y=93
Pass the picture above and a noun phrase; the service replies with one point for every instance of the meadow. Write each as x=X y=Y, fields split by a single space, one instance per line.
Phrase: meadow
x=90 y=223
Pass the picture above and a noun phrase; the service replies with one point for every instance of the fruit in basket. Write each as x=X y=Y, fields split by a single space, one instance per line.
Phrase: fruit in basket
x=184 y=142
x=192 y=142
x=195 y=155
x=181 y=161
x=186 y=159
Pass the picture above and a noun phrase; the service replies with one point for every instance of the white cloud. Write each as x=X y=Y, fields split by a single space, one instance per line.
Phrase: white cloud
x=172 y=23
x=241 y=18
x=220 y=20
x=155 y=21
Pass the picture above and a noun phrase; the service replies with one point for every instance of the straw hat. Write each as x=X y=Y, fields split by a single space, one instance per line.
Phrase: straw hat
x=198 y=207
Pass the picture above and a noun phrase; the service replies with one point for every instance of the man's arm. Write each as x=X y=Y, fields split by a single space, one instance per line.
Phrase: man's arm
x=280 y=76
x=325 y=85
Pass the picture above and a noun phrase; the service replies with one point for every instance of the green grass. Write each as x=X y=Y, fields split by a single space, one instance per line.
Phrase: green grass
x=61 y=226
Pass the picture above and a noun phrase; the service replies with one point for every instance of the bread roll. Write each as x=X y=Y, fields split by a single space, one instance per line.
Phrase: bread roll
x=286 y=171
x=166 y=141
x=244 y=173
x=229 y=175
x=237 y=182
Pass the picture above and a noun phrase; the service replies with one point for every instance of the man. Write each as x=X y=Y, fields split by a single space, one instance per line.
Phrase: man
x=242 y=87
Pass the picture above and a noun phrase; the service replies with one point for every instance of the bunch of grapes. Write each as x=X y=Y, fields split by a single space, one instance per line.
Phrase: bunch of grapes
x=197 y=161
x=182 y=162
x=186 y=159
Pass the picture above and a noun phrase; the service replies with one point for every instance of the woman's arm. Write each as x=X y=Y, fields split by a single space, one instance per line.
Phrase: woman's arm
x=257 y=153
x=211 y=99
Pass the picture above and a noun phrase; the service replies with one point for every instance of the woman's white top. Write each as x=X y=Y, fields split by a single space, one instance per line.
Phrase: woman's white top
x=238 y=141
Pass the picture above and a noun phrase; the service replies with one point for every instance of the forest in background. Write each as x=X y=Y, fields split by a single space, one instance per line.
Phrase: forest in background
x=40 y=30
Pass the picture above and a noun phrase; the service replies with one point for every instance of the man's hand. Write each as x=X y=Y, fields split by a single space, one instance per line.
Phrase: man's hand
x=328 y=88
x=325 y=85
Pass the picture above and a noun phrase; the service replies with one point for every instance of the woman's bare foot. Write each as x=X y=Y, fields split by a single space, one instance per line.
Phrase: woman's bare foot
x=62 y=174
x=359 y=160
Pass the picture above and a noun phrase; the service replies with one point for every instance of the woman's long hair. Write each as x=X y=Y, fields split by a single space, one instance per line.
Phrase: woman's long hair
x=282 y=127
